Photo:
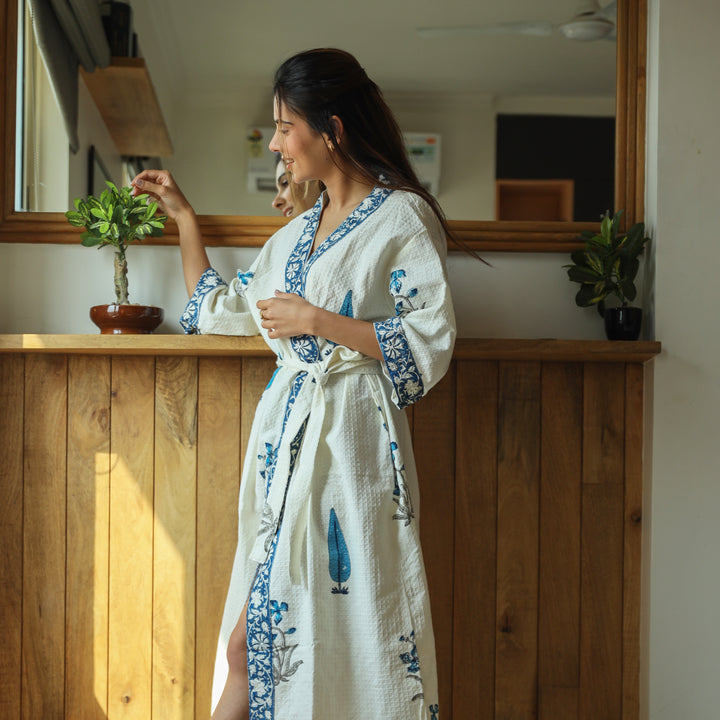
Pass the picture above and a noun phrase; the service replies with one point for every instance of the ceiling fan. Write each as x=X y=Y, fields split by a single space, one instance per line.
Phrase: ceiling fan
x=590 y=22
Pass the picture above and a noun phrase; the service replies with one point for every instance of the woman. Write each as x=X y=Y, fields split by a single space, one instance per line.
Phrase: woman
x=327 y=613
x=293 y=199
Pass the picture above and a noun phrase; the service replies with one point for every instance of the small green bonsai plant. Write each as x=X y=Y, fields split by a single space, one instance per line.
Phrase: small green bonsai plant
x=116 y=218
x=608 y=264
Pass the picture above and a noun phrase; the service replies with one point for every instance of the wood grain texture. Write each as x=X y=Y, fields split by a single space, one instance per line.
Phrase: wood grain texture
x=218 y=482
x=632 y=550
x=124 y=94
x=44 y=537
x=604 y=424
x=559 y=572
x=12 y=395
x=602 y=540
x=517 y=541
x=601 y=601
x=175 y=538
x=132 y=418
x=475 y=540
x=88 y=520
x=434 y=443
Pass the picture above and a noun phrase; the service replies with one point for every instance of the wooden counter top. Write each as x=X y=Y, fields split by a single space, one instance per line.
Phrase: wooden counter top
x=219 y=345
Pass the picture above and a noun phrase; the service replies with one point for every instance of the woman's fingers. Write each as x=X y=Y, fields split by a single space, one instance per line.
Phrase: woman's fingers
x=159 y=185
x=286 y=314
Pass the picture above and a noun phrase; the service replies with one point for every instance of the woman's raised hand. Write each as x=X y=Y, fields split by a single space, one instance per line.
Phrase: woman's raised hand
x=161 y=187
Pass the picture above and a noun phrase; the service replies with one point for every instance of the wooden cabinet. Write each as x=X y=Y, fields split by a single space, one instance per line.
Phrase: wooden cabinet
x=120 y=461
x=536 y=200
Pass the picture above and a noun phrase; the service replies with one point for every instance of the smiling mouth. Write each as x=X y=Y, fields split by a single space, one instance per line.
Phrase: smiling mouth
x=288 y=212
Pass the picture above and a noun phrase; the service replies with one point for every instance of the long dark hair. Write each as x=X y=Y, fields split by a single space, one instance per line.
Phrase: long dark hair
x=317 y=84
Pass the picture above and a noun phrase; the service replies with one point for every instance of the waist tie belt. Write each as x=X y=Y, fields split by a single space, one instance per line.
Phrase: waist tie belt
x=291 y=507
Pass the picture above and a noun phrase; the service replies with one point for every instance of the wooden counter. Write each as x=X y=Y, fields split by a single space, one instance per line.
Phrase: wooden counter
x=120 y=461
x=224 y=345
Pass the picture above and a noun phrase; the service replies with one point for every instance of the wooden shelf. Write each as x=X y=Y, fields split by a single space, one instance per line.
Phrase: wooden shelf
x=125 y=97
x=545 y=350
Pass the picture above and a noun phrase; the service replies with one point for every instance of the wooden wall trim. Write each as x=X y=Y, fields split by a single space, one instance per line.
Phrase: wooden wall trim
x=224 y=345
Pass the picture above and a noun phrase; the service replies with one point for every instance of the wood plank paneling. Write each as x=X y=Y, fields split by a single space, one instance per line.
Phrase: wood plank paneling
x=88 y=520
x=12 y=392
x=132 y=432
x=475 y=540
x=44 y=537
x=434 y=443
x=601 y=603
x=174 y=585
x=120 y=540
x=559 y=574
x=602 y=541
x=517 y=540
x=218 y=482
x=632 y=561
x=604 y=423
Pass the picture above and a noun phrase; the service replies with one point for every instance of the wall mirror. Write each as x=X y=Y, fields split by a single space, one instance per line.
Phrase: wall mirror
x=455 y=71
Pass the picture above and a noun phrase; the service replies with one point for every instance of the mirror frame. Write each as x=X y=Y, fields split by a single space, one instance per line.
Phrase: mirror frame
x=253 y=231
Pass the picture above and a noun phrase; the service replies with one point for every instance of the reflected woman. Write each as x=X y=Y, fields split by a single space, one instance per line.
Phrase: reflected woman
x=293 y=199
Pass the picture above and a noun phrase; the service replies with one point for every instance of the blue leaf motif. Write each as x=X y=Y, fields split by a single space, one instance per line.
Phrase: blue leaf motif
x=346 y=308
x=339 y=564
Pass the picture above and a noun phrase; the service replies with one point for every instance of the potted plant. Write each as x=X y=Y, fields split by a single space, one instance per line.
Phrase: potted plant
x=606 y=267
x=117 y=218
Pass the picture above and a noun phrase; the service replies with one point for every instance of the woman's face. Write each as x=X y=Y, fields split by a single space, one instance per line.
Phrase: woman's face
x=303 y=149
x=283 y=201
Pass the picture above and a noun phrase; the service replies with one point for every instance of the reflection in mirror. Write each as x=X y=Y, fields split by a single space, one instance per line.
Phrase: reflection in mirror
x=211 y=67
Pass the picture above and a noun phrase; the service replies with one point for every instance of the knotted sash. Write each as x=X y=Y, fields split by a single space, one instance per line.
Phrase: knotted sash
x=289 y=504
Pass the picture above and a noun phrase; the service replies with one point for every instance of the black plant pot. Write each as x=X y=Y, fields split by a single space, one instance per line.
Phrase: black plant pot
x=623 y=323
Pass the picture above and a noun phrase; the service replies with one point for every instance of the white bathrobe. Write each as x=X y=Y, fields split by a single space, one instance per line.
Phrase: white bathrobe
x=328 y=555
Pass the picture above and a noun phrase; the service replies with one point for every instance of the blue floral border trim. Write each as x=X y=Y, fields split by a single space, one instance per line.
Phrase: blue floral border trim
x=260 y=612
x=259 y=644
x=300 y=260
x=399 y=361
x=208 y=280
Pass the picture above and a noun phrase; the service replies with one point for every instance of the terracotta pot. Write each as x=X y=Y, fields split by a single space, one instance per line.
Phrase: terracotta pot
x=126 y=319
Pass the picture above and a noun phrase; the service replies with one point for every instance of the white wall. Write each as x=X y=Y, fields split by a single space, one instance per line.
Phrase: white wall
x=683 y=622
x=50 y=288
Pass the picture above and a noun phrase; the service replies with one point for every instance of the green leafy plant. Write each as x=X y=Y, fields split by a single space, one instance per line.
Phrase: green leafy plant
x=607 y=264
x=116 y=218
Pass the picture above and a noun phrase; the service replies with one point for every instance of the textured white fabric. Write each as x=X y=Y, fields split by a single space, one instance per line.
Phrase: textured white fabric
x=328 y=553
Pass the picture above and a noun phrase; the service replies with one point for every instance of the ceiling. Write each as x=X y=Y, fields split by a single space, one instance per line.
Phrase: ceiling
x=225 y=45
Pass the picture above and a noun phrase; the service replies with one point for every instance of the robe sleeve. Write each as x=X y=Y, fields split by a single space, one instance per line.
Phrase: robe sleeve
x=418 y=341
x=219 y=308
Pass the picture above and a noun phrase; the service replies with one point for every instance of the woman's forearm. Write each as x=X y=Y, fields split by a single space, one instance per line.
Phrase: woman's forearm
x=353 y=333
x=195 y=260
